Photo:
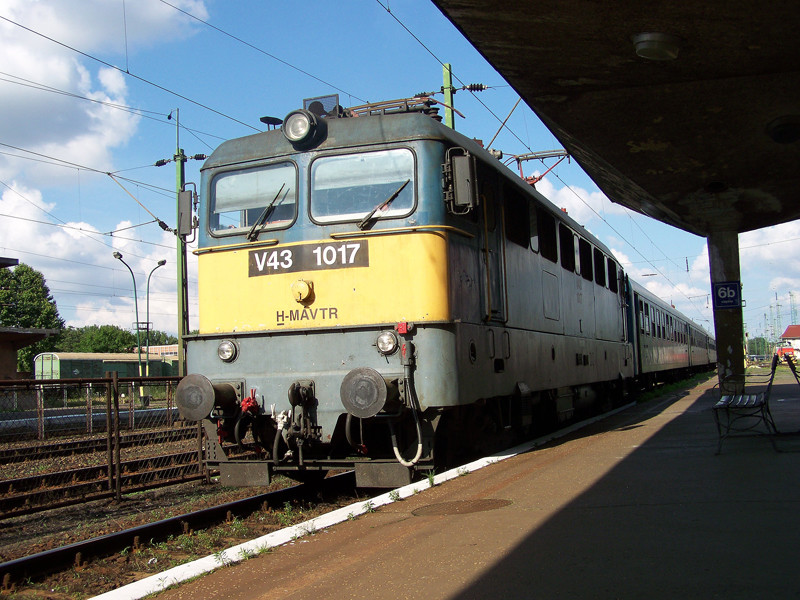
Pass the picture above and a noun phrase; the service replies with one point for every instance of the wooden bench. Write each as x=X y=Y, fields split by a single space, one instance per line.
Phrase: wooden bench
x=742 y=413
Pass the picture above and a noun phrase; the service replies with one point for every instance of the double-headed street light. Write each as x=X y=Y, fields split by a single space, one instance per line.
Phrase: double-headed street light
x=118 y=256
x=161 y=263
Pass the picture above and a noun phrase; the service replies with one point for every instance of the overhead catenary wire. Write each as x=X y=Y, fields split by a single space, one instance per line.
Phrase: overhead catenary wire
x=153 y=115
x=262 y=51
x=466 y=86
x=137 y=77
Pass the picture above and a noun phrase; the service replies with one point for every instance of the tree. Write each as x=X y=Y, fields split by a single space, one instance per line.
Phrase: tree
x=26 y=302
x=96 y=338
x=107 y=338
x=758 y=346
x=159 y=338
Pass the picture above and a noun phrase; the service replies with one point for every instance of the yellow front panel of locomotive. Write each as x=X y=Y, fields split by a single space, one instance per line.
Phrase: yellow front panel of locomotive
x=370 y=279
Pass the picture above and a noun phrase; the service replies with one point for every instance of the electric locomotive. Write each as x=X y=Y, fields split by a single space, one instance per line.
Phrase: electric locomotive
x=379 y=292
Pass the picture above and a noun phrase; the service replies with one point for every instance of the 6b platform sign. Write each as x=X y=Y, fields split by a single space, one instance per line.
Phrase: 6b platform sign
x=727 y=294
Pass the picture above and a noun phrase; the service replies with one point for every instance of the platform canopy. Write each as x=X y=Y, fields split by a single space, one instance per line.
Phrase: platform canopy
x=703 y=135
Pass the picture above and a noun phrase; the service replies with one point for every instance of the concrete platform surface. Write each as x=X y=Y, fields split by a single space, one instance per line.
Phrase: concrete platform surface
x=635 y=506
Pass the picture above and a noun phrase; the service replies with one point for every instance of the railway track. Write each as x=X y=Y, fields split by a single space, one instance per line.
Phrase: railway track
x=31 y=494
x=31 y=452
x=78 y=554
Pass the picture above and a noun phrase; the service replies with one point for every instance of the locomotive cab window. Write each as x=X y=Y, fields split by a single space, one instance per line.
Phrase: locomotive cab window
x=263 y=196
x=350 y=187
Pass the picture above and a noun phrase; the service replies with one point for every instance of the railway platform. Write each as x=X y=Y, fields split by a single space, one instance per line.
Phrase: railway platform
x=636 y=505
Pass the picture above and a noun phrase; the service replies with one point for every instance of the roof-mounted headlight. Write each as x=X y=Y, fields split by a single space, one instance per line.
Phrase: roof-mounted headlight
x=302 y=128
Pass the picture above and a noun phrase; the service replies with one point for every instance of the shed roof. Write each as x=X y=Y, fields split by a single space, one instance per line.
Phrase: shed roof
x=792 y=332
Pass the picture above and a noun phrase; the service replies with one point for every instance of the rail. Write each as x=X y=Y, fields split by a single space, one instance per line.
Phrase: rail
x=67 y=440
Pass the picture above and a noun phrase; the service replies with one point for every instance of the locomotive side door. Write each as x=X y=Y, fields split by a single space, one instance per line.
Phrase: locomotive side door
x=492 y=251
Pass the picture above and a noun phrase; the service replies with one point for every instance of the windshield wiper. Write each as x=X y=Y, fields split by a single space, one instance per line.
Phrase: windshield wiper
x=253 y=234
x=365 y=221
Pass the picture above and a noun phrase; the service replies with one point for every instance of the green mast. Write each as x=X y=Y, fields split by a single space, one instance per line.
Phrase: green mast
x=449 y=91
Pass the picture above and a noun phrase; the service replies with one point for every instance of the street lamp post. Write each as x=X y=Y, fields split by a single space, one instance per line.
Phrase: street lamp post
x=118 y=256
x=161 y=263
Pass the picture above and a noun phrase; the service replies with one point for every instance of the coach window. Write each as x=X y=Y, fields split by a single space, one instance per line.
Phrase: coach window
x=612 y=276
x=239 y=198
x=566 y=241
x=599 y=268
x=516 y=217
x=548 y=245
x=348 y=187
x=641 y=316
x=585 y=252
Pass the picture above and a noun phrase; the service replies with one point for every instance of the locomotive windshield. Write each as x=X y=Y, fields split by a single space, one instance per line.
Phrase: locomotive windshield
x=349 y=187
x=239 y=198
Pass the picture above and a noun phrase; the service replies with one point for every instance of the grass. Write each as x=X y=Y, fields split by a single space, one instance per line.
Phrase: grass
x=288 y=515
x=681 y=385
x=431 y=478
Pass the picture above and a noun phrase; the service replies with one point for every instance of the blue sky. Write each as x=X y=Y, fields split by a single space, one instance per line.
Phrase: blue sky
x=63 y=63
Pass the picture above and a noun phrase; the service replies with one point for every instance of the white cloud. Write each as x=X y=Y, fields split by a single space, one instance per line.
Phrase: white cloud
x=90 y=286
x=773 y=246
x=583 y=206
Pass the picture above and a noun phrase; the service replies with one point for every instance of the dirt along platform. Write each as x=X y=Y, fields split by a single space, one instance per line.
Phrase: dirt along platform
x=635 y=506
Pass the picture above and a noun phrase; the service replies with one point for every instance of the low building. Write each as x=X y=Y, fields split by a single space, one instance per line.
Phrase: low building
x=16 y=338
x=13 y=339
x=87 y=365
x=165 y=350
x=791 y=337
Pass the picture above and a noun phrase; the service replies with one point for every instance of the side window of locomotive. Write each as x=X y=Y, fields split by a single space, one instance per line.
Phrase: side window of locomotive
x=533 y=225
x=566 y=241
x=349 y=187
x=585 y=253
x=612 y=276
x=240 y=198
x=599 y=268
x=516 y=217
x=548 y=245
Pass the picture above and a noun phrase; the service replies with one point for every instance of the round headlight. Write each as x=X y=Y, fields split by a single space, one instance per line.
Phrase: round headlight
x=227 y=351
x=386 y=342
x=298 y=126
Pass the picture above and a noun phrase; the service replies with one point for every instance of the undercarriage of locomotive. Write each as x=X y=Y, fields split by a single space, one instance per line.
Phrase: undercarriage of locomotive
x=382 y=433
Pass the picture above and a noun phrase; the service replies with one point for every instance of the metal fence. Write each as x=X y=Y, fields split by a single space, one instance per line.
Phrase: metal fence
x=66 y=440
